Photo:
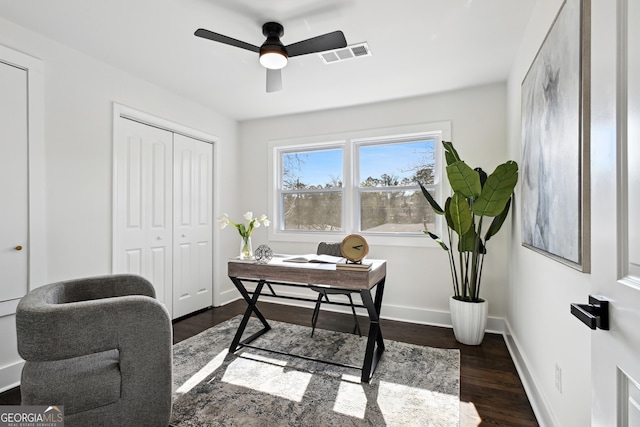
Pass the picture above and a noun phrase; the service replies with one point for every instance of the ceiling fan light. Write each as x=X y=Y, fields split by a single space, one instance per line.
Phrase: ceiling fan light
x=273 y=60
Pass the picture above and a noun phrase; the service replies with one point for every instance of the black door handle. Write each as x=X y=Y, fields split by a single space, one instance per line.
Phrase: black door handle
x=595 y=314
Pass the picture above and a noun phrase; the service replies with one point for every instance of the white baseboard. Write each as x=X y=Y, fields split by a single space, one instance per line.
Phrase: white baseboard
x=390 y=312
x=539 y=404
x=228 y=296
x=10 y=376
x=432 y=317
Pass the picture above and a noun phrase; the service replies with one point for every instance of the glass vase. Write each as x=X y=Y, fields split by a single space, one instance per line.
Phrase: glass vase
x=246 y=249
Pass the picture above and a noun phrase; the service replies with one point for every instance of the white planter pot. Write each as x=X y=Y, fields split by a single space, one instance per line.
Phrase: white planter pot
x=469 y=320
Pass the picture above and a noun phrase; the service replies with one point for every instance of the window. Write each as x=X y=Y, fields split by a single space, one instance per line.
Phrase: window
x=389 y=197
x=311 y=189
x=361 y=182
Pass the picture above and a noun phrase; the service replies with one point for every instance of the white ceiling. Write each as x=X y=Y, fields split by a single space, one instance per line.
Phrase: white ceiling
x=419 y=46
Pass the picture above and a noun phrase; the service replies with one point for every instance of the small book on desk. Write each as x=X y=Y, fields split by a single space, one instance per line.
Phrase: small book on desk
x=353 y=266
x=322 y=259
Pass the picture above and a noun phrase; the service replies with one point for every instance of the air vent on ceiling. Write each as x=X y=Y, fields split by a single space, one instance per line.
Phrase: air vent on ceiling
x=352 y=51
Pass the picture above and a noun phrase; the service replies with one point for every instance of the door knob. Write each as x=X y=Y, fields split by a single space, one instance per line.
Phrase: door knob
x=595 y=314
x=18 y=248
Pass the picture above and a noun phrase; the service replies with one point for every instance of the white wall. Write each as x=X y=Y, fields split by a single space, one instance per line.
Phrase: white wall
x=542 y=330
x=79 y=94
x=418 y=281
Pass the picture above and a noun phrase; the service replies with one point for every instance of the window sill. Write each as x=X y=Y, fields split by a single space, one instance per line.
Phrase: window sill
x=377 y=239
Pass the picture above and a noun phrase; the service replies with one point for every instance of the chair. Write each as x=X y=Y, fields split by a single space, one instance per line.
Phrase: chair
x=325 y=248
x=100 y=346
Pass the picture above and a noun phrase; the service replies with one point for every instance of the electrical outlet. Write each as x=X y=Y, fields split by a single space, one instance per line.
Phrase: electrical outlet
x=559 y=378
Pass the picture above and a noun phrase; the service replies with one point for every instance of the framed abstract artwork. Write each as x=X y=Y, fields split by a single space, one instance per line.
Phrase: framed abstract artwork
x=555 y=141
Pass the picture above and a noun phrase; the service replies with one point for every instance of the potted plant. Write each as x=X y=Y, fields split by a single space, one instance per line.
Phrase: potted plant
x=475 y=197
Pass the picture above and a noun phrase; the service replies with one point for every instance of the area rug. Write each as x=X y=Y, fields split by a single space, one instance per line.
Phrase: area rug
x=412 y=385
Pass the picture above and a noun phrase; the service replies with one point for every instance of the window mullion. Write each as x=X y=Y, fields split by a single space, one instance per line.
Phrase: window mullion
x=349 y=207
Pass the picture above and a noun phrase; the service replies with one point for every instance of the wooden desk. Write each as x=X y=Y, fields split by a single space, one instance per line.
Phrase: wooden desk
x=280 y=273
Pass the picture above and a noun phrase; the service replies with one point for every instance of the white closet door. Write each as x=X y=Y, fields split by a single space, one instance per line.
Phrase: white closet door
x=192 y=207
x=143 y=198
x=13 y=186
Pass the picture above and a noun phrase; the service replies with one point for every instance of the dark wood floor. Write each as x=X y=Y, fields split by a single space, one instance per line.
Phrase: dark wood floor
x=491 y=392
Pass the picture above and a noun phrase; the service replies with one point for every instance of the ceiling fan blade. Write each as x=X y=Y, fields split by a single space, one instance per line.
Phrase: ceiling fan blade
x=274 y=80
x=226 y=40
x=329 y=41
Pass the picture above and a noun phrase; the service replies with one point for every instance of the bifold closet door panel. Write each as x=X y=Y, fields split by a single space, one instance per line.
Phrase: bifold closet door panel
x=143 y=205
x=192 y=227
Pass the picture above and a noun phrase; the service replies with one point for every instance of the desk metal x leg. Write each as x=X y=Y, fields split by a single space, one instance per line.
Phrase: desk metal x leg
x=375 y=343
x=251 y=308
x=372 y=357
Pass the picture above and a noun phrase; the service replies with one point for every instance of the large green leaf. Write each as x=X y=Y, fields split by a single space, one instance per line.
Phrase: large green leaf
x=442 y=244
x=464 y=180
x=436 y=207
x=467 y=242
x=497 y=190
x=449 y=158
x=497 y=222
x=460 y=213
x=447 y=212
x=450 y=153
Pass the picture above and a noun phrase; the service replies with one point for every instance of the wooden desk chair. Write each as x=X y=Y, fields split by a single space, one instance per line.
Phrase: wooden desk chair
x=333 y=249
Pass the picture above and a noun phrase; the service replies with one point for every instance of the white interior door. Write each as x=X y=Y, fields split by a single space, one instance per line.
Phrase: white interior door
x=14 y=245
x=193 y=272
x=22 y=189
x=143 y=205
x=615 y=141
x=13 y=186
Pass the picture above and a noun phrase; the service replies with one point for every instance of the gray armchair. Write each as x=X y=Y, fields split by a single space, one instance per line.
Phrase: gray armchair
x=101 y=347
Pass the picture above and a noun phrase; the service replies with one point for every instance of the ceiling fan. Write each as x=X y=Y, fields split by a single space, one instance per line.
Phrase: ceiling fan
x=273 y=54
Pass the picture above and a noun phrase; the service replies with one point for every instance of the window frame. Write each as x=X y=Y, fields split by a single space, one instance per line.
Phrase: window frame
x=280 y=192
x=437 y=131
x=436 y=137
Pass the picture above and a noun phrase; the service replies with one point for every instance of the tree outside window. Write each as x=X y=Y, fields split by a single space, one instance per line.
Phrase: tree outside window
x=312 y=190
x=389 y=197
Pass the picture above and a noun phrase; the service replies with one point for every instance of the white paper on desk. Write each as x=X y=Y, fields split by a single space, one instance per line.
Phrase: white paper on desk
x=322 y=259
